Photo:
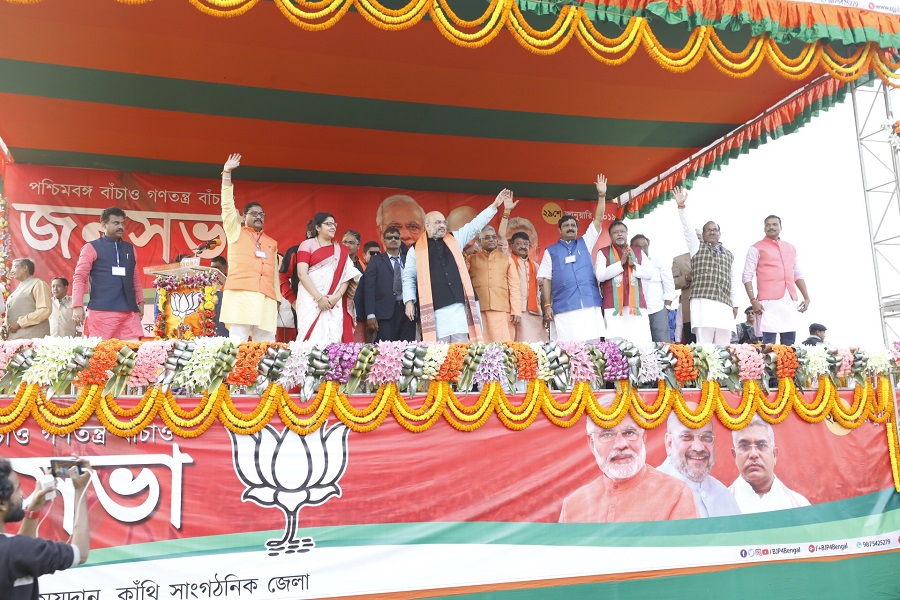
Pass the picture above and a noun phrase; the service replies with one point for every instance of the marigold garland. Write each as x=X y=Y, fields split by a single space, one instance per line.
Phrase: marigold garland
x=245 y=369
x=685 y=369
x=369 y=418
x=520 y=417
x=469 y=418
x=105 y=357
x=248 y=423
x=18 y=410
x=452 y=366
x=42 y=412
x=418 y=420
x=149 y=407
x=786 y=363
x=601 y=416
x=294 y=417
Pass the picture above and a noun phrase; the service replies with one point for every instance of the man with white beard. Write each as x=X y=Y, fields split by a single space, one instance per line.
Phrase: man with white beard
x=628 y=489
x=691 y=457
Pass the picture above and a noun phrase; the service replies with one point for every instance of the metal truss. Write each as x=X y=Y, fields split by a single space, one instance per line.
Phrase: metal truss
x=880 y=165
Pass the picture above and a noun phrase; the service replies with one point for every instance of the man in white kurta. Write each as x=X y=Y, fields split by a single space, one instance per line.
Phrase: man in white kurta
x=757 y=489
x=659 y=291
x=626 y=320
x=774 y=264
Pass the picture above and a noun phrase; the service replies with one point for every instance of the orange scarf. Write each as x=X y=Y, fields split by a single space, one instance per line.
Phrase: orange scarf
x=426 y=301
x=532 y=303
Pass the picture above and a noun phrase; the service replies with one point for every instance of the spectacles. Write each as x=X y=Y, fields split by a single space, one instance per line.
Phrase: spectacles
x=489 y=237
x=373 y=252
x=256 y=214
x=329 y=224
x=608 y=437
x=707 y=437
x=713 y=230
x=744 y=447
x=388 y=238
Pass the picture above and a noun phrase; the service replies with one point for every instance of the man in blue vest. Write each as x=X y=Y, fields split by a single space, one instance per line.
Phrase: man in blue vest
x=570 y=296
x=117 y=297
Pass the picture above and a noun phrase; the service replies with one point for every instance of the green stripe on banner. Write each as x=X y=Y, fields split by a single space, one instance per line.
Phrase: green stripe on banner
x=84 y=160
x=860 y=577
x=869 y=515
x=245 y=102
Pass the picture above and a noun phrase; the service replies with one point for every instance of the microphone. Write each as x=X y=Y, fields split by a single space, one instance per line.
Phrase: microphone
x=207 y=245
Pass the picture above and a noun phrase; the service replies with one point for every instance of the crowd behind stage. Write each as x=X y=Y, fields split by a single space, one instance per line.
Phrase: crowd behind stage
x=471 y=284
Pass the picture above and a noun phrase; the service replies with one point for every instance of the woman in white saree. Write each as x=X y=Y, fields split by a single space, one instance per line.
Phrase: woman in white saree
x=325 y=272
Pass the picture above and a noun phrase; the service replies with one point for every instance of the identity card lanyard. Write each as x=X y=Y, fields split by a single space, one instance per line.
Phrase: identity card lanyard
x=260 y=253
x=118 y=270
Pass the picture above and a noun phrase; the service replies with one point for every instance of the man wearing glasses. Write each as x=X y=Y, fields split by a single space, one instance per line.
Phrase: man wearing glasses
x=758 y=489
x=628 y=489
x=691 y=457
x=713 y=284
x=250 y=298
x=382 y=293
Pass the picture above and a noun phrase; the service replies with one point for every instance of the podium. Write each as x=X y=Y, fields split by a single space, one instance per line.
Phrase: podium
x=186 y=297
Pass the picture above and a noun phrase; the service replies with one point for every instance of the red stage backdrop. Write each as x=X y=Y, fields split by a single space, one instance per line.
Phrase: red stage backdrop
x=53 y=212
x=338 y=513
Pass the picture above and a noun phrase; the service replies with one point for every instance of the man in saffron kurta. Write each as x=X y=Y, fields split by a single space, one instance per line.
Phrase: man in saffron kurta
x=620 y=272
x=628 y=489
x=250 y=298
x=436 y=276
x=774 y=264
x=570 y=295
x=117 y=297
x=496 y=282
x=531 y=324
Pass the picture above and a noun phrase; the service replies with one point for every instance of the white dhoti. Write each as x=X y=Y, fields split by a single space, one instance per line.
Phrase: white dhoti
x=778 y=315
x=582 y=324
x=531 y=328
x=634 y=328
x=712 y=314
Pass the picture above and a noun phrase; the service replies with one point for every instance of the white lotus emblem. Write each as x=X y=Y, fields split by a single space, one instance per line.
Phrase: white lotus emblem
x=291 y=471
x=183 y=305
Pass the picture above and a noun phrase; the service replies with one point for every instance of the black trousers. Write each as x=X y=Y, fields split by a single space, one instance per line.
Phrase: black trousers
x=397 y=328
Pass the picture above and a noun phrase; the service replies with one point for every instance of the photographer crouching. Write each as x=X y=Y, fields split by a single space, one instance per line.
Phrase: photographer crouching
x=24 y=557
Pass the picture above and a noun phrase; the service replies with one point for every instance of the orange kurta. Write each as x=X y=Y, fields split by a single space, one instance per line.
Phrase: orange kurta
x=648 y=496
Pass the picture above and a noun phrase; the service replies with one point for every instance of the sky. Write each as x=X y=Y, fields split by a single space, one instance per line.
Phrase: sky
x=812 y=180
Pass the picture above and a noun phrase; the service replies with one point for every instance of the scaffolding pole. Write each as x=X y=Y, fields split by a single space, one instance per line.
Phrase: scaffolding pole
x=880 y=166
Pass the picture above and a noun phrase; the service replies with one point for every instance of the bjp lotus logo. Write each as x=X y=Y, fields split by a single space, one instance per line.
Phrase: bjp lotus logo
x=290 y=471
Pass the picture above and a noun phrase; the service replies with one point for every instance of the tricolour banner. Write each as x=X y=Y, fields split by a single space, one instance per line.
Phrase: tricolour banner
x=338 y=513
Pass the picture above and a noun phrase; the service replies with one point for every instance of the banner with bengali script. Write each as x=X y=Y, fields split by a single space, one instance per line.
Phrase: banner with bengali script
x=339 y=513
x=54 y=211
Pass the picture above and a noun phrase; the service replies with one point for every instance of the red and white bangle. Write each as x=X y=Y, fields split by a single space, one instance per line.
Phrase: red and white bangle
x=33 y=514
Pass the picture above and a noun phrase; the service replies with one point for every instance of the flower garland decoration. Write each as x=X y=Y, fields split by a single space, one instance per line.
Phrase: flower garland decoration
x=435 y=354
x=845 y=367
x=104 y=358
x=616 y=364
x=180 y=355
x=160 y=328
x=716 y=363
x=452 y=366
x=879 y=361
x=786 y=362
x=819 y=362
x=860 y=366
x=197 y=374
x=470 y=366
x=51 y=357
x=270 y=366
x=491 y=367
x=149 y=362
x=245 y=369
x=5 y=261
x=411 y=367
x=8 y=349
x=685 y=365
x=195 y=279
x=341 y=359
x=388 y=363
x=207 y=311
x=651 y=366
x=581 y=365
x=750 y=362
x=543 y=363
x=294 y=372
